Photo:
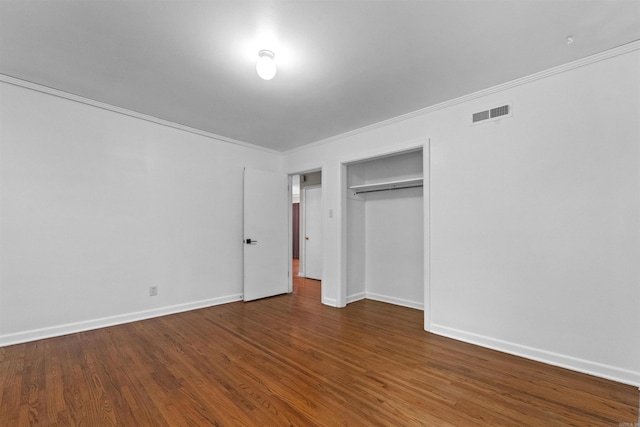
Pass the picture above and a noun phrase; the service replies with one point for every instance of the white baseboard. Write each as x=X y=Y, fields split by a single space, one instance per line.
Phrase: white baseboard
x=70 y=328
x=418 y=305
x=330 y=302
x=355 y=297
x=573 y=363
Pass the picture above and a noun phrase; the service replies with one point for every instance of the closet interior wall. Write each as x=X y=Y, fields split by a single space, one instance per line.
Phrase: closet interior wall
x=385 y=231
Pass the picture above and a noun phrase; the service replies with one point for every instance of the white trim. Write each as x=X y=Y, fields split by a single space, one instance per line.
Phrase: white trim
x=384 y=298
x=396 y=301
x=70 y=328
x=573 y=363
x=607 y=54
x=414 y=144
x=115 y=109
x=356 y=297
x=330 y=302
x=341 y=259
x=426 y=173
x=289 y=232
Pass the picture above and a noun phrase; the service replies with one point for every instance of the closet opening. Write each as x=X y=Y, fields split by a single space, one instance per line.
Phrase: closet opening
x=385 y=229
x=306 y=232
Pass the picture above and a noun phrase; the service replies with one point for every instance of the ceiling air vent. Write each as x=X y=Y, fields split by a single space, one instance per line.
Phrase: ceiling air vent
x=491 y=114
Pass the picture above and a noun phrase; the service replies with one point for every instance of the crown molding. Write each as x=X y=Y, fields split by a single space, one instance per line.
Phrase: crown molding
x=115 y=109
x=607 y=54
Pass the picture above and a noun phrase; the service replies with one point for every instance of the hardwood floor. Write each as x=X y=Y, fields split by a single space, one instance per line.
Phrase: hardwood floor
x=288 y=360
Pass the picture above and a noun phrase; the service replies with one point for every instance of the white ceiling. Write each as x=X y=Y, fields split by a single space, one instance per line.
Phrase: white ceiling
x=342 y=65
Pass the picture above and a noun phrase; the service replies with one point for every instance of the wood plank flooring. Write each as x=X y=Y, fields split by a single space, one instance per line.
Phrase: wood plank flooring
x=288 y=360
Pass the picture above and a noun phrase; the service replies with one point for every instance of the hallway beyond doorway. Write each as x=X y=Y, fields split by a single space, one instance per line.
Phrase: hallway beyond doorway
x=303 y=287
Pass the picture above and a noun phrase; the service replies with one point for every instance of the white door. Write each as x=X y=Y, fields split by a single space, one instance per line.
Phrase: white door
x=313 y=233
x=266 y=234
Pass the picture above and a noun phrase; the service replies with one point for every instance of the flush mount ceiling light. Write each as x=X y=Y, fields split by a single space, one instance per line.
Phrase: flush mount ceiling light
x=265 y=67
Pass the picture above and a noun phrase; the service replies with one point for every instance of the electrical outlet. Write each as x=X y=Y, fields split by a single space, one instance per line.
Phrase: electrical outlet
x=153 y=291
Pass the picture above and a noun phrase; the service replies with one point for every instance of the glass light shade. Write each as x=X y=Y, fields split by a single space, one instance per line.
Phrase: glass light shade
x=265 y=66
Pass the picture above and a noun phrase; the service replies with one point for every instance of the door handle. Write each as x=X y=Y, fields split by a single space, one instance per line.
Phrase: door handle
x=251 y=242
x=306 y=238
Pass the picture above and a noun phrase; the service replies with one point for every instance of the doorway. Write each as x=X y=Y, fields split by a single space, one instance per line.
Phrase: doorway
x=306 y=222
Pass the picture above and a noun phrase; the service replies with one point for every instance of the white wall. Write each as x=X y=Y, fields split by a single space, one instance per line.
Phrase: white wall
x=355 y=254
x=394 y=247
x=97 y=206
x=532 y=220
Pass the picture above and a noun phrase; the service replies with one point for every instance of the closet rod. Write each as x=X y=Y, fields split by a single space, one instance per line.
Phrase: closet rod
x=387 y=189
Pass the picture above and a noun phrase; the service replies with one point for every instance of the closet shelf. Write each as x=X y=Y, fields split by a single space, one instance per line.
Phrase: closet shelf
x=389 y=185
